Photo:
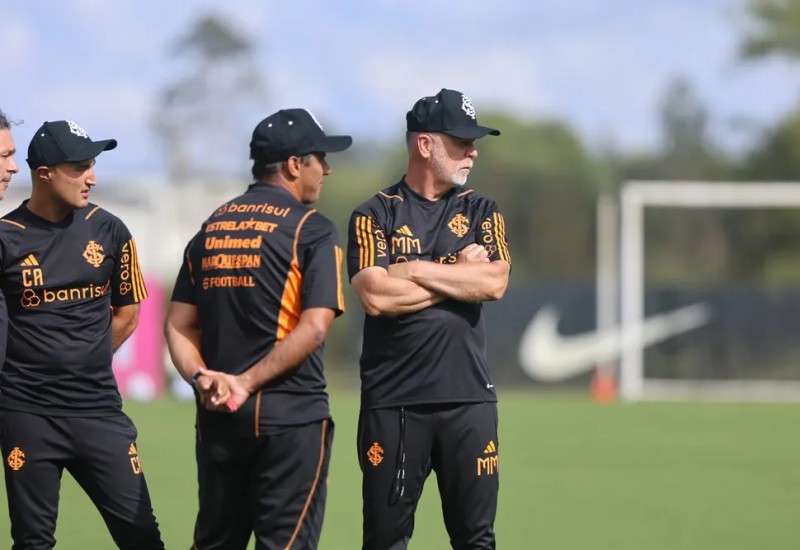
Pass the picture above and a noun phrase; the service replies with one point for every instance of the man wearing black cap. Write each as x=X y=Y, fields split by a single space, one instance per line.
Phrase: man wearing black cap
x=257 y=292
x=423 y=255
x=71 y=277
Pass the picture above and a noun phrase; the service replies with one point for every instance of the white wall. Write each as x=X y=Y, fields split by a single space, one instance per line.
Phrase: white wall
x=161 y=217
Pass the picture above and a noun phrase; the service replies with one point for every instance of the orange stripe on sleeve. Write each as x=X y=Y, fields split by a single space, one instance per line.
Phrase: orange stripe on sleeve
x=500 y=237
x=137 y=279
x=360 y=241
x=339 y=292
x=366 y=242
x=189 y=261
x=371 y=240
x=291 y=305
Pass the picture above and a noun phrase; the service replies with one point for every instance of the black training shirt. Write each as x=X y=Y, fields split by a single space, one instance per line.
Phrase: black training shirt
x=251 y=270
x=60 y=281
x=437 y=354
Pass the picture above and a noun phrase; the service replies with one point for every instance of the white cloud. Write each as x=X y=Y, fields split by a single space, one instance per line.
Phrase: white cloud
x=600 y=65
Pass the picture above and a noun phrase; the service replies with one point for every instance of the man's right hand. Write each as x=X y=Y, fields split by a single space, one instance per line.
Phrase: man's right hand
x=220 y=392
x=472 y=253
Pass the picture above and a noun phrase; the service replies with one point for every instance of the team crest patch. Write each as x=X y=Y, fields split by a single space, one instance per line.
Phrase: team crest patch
x=459 y=225
x=375 y=454
x=94 y=254
x=16 y=459
x=466 y=106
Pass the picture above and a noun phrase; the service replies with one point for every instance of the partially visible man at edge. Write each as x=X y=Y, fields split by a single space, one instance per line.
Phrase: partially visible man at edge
x=8 y=167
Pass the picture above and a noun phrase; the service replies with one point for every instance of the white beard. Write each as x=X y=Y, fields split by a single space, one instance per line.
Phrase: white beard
x=457 y=178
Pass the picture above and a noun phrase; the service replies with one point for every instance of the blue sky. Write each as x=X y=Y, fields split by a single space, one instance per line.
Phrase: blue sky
x=601 y=65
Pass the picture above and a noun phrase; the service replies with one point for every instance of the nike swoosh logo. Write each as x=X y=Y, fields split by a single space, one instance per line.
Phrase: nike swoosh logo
x=549 y=356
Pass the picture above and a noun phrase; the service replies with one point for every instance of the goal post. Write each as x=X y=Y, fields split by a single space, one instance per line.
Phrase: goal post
x=635 y=198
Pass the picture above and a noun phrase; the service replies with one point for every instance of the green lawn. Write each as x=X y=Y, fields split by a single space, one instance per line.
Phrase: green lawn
x=575 y=476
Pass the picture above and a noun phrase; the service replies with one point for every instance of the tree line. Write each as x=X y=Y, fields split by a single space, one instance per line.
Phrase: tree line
x=542 y=173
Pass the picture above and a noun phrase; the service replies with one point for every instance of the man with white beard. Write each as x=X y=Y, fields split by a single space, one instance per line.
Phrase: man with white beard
x=423 y=255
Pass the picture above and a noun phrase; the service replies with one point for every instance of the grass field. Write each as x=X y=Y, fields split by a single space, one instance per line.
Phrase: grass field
x=574 y=475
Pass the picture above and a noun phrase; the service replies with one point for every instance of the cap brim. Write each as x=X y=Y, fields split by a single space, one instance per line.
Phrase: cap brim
x=472 y=132
x=92 y=149
x=334 y=144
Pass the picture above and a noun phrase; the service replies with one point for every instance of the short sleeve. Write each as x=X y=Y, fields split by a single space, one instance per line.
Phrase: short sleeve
x=366 y=243
x=184 y=283
x=493 y=236
x=320 y=258
x=3 y=328
x=127 y=281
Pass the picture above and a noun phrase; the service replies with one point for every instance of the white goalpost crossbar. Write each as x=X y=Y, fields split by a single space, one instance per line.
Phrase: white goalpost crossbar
x=635 y=197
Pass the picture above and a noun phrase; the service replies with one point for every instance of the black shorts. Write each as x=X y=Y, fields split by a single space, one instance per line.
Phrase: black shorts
x=398 y=448
x=101 y=455
x=274 y=486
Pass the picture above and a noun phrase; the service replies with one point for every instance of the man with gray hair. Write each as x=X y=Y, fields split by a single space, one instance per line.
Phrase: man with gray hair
x=8 y=166
x=423 y=256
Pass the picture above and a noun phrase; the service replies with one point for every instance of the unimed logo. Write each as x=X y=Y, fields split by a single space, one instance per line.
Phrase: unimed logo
x=213 y=243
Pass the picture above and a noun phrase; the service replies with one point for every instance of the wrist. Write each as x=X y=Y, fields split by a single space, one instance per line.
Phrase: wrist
x=195 y=377
x=414 y=270
x=246 y=382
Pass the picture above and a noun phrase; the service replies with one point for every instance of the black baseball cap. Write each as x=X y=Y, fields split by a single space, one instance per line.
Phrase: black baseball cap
x=449 y=112
x=63 y=141
x=290 y=133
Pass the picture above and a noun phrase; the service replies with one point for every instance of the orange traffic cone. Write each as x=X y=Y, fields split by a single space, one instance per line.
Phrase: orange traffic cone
x=604 y=386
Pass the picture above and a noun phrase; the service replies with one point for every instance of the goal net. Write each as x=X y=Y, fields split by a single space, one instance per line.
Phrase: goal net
x=709 y=291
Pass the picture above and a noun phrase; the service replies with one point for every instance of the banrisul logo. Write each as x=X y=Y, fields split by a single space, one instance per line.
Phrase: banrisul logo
x=35 y=297
x=35 y=293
